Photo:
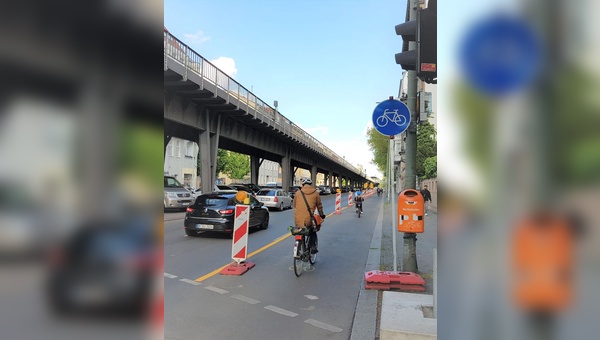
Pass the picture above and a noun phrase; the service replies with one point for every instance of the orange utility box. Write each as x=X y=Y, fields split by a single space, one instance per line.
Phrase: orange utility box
x=411 y=209
x=543 y=260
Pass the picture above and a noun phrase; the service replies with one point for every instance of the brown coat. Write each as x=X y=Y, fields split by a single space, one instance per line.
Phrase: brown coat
x=301 y=216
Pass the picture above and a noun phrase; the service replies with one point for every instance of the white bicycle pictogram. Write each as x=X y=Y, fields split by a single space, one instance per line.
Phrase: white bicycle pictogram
x=390 y=116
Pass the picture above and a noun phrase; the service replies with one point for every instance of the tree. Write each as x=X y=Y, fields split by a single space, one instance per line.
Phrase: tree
x=221 y=157
x=426 y=147
x=379 y=144
x=235 y=165
x=430 y=167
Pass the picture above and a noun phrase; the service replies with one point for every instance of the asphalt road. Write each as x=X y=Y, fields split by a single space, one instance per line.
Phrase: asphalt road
x=268 y=301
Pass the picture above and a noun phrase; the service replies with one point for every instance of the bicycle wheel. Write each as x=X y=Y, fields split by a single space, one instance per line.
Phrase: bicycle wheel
x=399 y=120
x=381 y=121
x=312 y=258
x=298 y=264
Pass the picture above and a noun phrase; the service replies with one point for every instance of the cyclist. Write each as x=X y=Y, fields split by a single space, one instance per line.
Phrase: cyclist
x=303 y=215
x=358 y=199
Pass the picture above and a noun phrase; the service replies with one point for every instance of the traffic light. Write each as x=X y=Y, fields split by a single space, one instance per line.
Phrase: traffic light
x=407 y=59
x=423 y=31
x=427 y=43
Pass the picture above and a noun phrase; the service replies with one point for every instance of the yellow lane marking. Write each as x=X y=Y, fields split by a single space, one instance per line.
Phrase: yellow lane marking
x=277 y=240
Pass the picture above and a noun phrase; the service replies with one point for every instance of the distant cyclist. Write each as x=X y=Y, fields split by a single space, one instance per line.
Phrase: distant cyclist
x=303 y=215
x=358 y=199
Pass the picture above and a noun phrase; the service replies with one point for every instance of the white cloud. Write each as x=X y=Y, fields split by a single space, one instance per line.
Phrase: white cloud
x=196 y=38
x=226 y=65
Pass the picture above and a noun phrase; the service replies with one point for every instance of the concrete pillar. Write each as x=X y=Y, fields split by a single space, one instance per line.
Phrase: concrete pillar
x=286 y=171
x=254 y=169
x=208 y=152
x=313 y=175
x=207 y=182
x=330 y=179
x=214 y=145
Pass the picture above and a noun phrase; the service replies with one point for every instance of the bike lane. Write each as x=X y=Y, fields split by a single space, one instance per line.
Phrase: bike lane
x=269 y=301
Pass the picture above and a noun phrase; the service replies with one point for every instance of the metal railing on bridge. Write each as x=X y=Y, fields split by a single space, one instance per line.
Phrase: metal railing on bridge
x=195 y=63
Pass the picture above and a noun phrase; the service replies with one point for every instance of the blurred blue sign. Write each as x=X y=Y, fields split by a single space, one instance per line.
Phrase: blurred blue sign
x=501 y=54
x=391 y=117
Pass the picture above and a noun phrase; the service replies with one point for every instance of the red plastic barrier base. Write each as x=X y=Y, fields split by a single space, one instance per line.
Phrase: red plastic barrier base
x=386 y=280
x=237 y=269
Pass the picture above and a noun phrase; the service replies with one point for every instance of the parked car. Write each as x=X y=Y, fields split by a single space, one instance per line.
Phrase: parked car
x=195 y=192
x=214 y=212
x=175 y=195
x=272 y=185
x=274 y=198
x=324 y=190
x=239 y=187
x=255 y=188
x=225 y=189
x=104 y=266
x=293 y=190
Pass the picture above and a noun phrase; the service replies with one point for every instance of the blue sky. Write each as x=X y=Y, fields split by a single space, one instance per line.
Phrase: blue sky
x=327 y=63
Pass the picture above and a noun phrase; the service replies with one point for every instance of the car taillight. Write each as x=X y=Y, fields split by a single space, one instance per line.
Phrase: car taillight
x=189 y=210
x=275 y=199
x=226 y=212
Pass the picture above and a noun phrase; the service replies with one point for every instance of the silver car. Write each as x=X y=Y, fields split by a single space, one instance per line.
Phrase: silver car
x=274 y=198
x=176 y=196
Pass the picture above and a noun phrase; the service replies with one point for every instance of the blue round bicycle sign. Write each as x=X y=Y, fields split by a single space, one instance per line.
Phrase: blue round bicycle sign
x=391 y=117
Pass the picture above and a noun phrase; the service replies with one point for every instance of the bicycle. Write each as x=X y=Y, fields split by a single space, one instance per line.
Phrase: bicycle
x=302 y=252
x=358 y=208
x=395 y=117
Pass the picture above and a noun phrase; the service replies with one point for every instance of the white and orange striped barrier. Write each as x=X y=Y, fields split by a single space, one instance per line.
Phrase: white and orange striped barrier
x=239 y=247
x=338 y=203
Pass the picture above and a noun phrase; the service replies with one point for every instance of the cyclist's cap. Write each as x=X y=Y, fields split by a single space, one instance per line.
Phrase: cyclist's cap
x=358 y=192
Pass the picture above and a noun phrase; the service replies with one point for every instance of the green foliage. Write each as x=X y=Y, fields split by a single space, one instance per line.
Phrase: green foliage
x=235 y=165
x=426 y=147
x=222 y=156
x=430 y=167
x=379 y=144
x=138 y=152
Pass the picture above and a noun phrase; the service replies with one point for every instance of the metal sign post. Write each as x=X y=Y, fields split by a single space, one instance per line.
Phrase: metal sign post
x=391 y=117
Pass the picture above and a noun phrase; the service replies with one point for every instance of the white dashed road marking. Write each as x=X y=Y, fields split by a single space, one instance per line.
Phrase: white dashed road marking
x=245 y=299
x=311 y=297
x=192 y=282
x=170 y=276
x=323 y=325
x=281 y=311
x=218 y=290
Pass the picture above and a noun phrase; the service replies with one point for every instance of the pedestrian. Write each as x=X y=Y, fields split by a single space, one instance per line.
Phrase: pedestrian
x=426 y=198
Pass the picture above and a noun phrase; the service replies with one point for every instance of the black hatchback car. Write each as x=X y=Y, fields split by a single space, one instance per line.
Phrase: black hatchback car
x=214 y=212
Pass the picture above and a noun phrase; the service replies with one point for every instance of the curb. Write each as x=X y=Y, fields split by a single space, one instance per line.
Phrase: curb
x=364 y=324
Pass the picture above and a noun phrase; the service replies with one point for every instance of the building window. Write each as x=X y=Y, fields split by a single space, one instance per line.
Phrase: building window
x=189 y=150
x=170 y=151
x=178 y=149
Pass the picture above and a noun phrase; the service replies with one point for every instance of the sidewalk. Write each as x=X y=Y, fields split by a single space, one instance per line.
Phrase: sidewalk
x=391 y=307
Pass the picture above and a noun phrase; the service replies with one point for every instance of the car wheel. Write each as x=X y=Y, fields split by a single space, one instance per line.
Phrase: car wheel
x=191 y=232
x=265 y=223
x=281 y=206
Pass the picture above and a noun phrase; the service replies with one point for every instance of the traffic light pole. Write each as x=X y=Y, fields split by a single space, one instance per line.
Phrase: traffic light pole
x=409 y=258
